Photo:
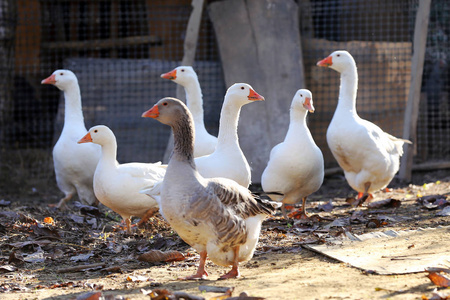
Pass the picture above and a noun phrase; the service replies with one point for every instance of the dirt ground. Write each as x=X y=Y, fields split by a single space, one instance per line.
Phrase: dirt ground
x=36 y=254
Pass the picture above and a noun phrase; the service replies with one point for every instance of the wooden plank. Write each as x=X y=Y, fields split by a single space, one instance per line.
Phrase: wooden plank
x=259 y=43
x=193 y=27
x=430 y=166
x=412 y=107
x=190 y=47
x=103 y=43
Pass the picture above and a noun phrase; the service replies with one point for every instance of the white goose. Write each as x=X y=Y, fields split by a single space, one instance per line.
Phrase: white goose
x=295 y=168
x=117 y=185
x=74 y=164
x=369 y=156
x=228 y=160
x=216 y=216
x=205 y=143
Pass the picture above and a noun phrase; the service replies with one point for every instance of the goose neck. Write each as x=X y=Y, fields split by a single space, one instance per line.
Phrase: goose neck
x=194 y=100
x=109 y=154
x=297 y=120
x=229 y=118
x=348 y=90
x=73 y=115
x=183 y=133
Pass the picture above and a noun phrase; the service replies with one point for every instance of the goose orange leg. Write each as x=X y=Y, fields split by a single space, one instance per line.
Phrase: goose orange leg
x=297 y=214
x=283 y=210
x=150 y=213
x=62 y=204
x=234 y=272
x=201 y=272
x=304 y=215
x=128 y=222
x=362 y=197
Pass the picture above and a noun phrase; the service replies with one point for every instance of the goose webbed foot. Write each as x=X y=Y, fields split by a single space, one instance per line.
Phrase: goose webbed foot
x=62 y=204
x=234 y=272
x=201 y=271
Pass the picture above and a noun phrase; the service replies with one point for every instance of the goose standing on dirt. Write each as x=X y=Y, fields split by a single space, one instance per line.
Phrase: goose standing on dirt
x=74 y=164
x=205 y=143
x=228 y=160
x=295 y=168
x=369 y=156
x=117 y=185
x=216 y=216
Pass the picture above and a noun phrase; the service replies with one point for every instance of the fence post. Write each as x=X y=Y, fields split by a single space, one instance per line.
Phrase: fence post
x=412 y=107
x=190 y=47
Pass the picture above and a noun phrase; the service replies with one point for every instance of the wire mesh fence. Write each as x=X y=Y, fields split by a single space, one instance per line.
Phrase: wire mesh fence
x=118 y=49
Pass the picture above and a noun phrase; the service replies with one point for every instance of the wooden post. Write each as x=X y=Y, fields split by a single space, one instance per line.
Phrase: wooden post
x=412 y=107
x=259 y=43
x=190 y=47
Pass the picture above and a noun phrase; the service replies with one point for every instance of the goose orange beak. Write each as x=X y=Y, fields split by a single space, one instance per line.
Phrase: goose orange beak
x=308 y=105
x=254 y=96
x=152 y=112
x=326 y=62
x=85 y=139
x=49 y=80
x=170 y=75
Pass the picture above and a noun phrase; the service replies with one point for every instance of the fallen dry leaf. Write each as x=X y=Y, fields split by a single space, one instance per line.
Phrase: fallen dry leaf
x=375 y=223
x=15 y=258
x=326 y=207
x=160 y=256
x=390 y=203
x=7 y=268
x=445 y=212
x=59 y=285
x=81 y=257
x=90 y=296
x=296 y=214
x=437 y=296
x=433 y=201
x=164 y=294
x=438 y=279
x=138 y=278
x=49 y=220
x=87 y=209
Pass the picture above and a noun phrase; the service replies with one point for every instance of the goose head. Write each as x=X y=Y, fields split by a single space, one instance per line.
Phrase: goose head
x=339 y=61
x=181 y=75
x=62 y=79
x=242 y=93
x=303 y=101
x=168 y=111
x=99 y=134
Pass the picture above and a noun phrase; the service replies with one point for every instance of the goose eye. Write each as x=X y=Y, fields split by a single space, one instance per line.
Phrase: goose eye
x=95 y=130
x=182 y=70
x=61 y=74
x=242 y=88
x=301 y=95
x=165 y=103
x=338 y=55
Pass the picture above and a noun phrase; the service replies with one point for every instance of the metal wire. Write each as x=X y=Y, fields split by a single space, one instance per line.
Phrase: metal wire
x=118 y=49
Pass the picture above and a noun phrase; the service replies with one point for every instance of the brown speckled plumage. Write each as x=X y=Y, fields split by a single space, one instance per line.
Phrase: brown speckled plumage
x=215 y=216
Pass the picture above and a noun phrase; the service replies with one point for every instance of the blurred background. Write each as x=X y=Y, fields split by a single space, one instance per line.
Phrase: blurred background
x=119 y=48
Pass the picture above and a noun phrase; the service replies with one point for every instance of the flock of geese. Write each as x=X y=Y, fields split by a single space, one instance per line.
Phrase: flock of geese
x=203 y=191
